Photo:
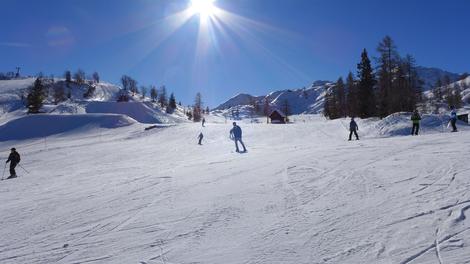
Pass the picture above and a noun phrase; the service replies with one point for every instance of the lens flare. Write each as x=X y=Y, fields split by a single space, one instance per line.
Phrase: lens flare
x=204 y=8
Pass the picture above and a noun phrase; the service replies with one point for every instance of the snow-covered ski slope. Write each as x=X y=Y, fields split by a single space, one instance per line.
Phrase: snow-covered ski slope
x=302 y=194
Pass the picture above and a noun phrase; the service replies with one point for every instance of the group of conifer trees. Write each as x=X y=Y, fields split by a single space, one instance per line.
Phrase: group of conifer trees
x=38 y=93
x=391 y=86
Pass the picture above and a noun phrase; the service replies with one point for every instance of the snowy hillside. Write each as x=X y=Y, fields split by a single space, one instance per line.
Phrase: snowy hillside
x=300 y=101
x=465 y=86
x=461 y=86
x=97 y=109
x=302 y=194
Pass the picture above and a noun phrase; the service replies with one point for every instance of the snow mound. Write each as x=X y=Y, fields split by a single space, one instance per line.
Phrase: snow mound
x=137 y=110
x=36 y=126
x=399 y=124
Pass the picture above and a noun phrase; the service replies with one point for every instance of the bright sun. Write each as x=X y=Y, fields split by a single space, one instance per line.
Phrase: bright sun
x=205 y=8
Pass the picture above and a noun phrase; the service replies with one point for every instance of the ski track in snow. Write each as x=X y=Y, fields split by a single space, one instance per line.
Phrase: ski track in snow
x=302 y=194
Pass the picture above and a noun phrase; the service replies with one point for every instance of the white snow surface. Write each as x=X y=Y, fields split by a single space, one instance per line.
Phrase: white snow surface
x=42 y=125
x=139 y=111
x=302 y=194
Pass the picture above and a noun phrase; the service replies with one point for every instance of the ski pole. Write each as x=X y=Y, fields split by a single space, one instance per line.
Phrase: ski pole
x=23 y=168
x=4 y=168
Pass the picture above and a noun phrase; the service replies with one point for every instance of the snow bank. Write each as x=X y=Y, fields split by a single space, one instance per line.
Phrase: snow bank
x=36 y=126
x=399 y=124
x=137 y=110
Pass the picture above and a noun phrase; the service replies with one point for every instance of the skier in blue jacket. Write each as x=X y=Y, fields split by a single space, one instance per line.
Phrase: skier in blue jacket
x=236 y=135
x=453 y=119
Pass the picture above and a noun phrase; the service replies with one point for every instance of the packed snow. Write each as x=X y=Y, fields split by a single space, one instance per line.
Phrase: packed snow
x=301 y=194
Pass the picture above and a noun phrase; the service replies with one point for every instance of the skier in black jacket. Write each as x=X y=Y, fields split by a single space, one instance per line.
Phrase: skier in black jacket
x=14 y=159
x=353 y=127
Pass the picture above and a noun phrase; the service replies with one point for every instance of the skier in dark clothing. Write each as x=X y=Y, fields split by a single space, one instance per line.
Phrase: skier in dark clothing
x=415 y=118
x=200 y=137
x=236 y=135
x=14 y=159
x=353 y=128
x=453 y=119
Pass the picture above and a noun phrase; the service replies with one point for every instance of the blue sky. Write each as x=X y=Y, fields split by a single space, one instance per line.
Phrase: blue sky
x=252 y=46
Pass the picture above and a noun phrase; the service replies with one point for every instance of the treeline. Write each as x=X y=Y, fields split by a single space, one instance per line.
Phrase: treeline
x=393 y=85
x=196 y=112
x=43 y=87
x=159 y=96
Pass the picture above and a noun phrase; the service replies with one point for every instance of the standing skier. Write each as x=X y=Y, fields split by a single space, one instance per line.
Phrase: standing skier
x=200 y=137
x=203 y=121
x=353 y=128
x=453 y=119
x=415 y=118
x=14 y=159
x=236 y=135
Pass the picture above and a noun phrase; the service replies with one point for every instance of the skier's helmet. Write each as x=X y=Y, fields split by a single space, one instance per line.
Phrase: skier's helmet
x=13 y=149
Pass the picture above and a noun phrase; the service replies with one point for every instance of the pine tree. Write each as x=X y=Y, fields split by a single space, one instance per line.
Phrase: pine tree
x=153 y=93
x=411 y=87
x=340 y=96
x=171 y=104
x=387 y=65
x=79 y=76
x=143 y=91
x=133 y=86
x=197 y=109
x=366 y=105
x=36 y=96
x=59 y=93
x=352 y=96
x=329 y=109
x=68 y=77
x=96 y=77
x=162 y=97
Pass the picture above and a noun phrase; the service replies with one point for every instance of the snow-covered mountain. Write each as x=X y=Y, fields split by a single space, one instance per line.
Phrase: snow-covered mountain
x=429 y=76
x=311 y=100
x=300 y=101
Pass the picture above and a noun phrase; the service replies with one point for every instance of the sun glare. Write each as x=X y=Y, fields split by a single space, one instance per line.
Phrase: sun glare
x=204 y=8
